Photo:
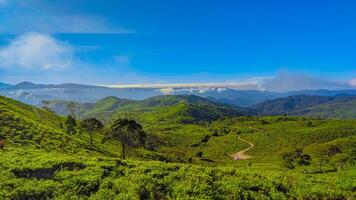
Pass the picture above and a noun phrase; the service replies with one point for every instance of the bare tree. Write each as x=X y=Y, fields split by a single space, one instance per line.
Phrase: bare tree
x=72 y=108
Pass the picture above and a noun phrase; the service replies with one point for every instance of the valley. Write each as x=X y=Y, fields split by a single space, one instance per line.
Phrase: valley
x=177 y=100
x=194 y=148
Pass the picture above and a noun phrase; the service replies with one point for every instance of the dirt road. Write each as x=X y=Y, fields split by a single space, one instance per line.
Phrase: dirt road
x=241 y=154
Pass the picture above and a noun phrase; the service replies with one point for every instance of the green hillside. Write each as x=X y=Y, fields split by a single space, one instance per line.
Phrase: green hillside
x=27 y=126
x=340 y=108
x=307 y=105
x=281 y=106
x=176 y=109
x=42 y=175
x=162 y=109
x=179 y=160
x=103 y=108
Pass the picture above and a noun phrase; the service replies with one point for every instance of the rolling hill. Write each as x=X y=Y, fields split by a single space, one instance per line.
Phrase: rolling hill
x=284 y=105
x=187 y=161
x=339 y=106
x=169 y=108
x=26 y=126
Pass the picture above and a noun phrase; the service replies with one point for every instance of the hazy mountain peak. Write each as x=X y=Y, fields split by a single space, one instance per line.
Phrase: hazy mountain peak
x=4 y=85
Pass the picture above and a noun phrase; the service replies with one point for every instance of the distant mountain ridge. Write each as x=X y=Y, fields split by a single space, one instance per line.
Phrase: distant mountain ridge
x=4 y=85
x=284 y=105
x=30 y=85
x=342 y=107
x=339 y=106
x=33 y=94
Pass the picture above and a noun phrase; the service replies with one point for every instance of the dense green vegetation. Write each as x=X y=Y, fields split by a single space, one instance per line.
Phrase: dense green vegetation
x=306 y=105
x=178 y=160
x=166 y=109
x=341 y=108
x=281 y=106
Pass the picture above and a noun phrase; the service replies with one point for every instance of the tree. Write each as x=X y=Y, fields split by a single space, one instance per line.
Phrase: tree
x=70 y=125
x=92 y=125
x=128 y=132
x=72 y=108
x=2 y=142
x=325 y=152
x=296 y=157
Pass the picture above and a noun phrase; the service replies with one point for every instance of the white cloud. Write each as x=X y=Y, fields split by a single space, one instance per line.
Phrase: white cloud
x=167 y=91
x=287 y=81
x=353 y=82
x=247 y=85
x=36 y=51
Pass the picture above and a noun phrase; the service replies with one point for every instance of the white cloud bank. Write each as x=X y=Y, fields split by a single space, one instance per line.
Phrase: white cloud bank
x=282 y=82
x=353 y=82
x=287 y=81
x=36 y=51
x=232 y=85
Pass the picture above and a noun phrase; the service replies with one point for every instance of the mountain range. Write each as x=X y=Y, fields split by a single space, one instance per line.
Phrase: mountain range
x=34 y=94
x=162 y=109
x=338 y=106
x=42 y=160
x=193 y=109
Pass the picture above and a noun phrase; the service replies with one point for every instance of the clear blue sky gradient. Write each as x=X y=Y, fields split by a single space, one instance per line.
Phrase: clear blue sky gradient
x=232 y=38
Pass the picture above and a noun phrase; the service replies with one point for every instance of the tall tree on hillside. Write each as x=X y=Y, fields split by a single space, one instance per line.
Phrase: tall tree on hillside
x=70 y=125
x=92 y=125
x=128 y=132
x=72 y=108
x=2 y=142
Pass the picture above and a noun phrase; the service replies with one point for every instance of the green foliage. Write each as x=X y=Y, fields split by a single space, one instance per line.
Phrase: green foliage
x=289 y=104
x=340 y=108
x=70 y=124
x=306 y=105
x=297 y=157
x=26 y=126
x=91 y=125
x=128 y=132
x=43 y=161
x=161 y=109
x=109 y=178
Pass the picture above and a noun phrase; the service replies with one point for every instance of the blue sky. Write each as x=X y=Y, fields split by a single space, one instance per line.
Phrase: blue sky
x=160 y=41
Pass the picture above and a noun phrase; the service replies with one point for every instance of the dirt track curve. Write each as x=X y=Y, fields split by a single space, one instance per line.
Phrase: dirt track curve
x=240 y=155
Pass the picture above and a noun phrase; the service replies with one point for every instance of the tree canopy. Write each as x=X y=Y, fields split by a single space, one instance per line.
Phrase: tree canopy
x=128 y=132
x=70 y=125
x=91 y=125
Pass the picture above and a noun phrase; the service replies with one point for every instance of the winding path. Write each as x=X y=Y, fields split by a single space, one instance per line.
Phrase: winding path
x=240 y=155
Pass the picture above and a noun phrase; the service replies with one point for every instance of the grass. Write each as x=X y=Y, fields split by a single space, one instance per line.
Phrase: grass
x=97 y=177
x=183 y=161
x=342 y=108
